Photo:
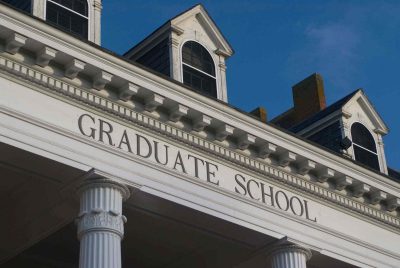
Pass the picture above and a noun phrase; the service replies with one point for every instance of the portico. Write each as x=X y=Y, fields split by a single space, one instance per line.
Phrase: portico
x=158 y=232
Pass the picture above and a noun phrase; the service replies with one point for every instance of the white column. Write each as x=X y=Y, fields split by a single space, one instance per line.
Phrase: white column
x=101 y=223
x=95 y=23
x=289 y=255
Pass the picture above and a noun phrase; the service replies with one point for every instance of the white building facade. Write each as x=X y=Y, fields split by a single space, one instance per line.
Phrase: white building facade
x=106 y=163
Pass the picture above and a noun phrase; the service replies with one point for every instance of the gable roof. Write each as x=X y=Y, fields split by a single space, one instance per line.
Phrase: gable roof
x=325 y=112
x=341 y=105
x=172 y=24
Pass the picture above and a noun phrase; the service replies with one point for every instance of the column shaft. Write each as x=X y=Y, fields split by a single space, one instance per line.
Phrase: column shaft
x=289 y=260
x=288 y=255
x=101 y=223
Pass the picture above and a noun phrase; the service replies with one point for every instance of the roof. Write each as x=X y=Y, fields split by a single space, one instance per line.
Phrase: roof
x=325 y=112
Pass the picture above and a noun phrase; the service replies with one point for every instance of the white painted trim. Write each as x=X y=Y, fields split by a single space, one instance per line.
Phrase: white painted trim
x=91 y=25
x=373 y=135
x=73 y=11
x=217 y=76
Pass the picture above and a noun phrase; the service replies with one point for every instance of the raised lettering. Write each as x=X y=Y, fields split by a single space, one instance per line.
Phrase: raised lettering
x=292 y=206
x=156 y=153
x=249 y=188
x=140 y=138
x=278 y=202
x=211 y=173
x=270 y=195
x=307 y=214
x=80 y=125
x=125 y=140
x=239 y=177
x=107 y=131
x=178 y=161
x=196 y=164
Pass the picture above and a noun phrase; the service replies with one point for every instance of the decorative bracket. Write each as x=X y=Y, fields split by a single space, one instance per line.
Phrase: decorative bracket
x=153 y=101
x=223 y=132
x=201 y=122
x=360 y=189
x=325 y=174
x=286 y=157
x=14 y=43
x=73 y=68
x=245 y=140
x=177 y=112
x=44 y=56
x=343 y=182
x=377 y=196
x=305 y=166
x=266 y=149
x=101 y=80
x=392 y=204
x=127 y=91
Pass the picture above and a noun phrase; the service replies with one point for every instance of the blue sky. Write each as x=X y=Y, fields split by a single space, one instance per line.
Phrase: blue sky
x=352 y=44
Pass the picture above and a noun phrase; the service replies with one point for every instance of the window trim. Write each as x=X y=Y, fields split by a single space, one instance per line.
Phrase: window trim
x=184 y=63
x=362 y=147
x=89 y=17
x=216 y=77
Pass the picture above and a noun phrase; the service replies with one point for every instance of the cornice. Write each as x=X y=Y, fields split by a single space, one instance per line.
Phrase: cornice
x=259 y=166
x=102 y=60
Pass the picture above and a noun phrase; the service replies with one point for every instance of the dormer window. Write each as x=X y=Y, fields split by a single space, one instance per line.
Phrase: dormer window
x=70 y=15
x=364 y=146
x=198 y=68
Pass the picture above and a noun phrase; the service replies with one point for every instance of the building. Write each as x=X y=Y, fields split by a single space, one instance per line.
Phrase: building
x=138 y=161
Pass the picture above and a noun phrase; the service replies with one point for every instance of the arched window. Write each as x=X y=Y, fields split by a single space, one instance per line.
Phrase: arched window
x=70 y=15
x=364 y=146
x=198 y=68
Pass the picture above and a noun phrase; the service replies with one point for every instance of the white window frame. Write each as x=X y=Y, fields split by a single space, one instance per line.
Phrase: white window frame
x=211 y=55
x=359 y=146
x=88 y=17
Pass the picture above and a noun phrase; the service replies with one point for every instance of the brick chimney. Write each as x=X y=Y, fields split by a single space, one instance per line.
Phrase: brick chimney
x=308 y=99
x=260 y=113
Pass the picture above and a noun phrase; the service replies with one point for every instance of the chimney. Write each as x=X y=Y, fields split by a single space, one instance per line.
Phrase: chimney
x=308 y=97
x=260 y=113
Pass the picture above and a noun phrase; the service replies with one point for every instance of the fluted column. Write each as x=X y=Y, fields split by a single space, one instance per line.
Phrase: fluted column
x=289 y=255
x=101 y=223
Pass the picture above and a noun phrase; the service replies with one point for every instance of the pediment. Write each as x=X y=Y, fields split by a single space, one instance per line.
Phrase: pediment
x=194 y=19
x=359 y=106
x=205 y=25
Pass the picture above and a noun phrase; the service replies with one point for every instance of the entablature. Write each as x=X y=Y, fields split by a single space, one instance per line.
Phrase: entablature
x=88 y=74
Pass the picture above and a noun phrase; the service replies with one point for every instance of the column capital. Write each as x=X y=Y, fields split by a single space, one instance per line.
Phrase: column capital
x=285 y=246
x=100 y=182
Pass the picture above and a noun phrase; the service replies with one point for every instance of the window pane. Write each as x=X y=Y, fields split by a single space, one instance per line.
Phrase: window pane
x=67 y=20
x=329 y=137
x=366 y=157
x=197 y=56
x=24 y=5
x=199 y=81
x=79 y=6
x=361 y=136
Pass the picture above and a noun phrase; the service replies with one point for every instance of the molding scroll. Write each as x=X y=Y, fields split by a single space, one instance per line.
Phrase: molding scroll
x=99 y=220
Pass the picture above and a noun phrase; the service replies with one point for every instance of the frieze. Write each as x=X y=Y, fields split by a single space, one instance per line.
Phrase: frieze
x=197 y=142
